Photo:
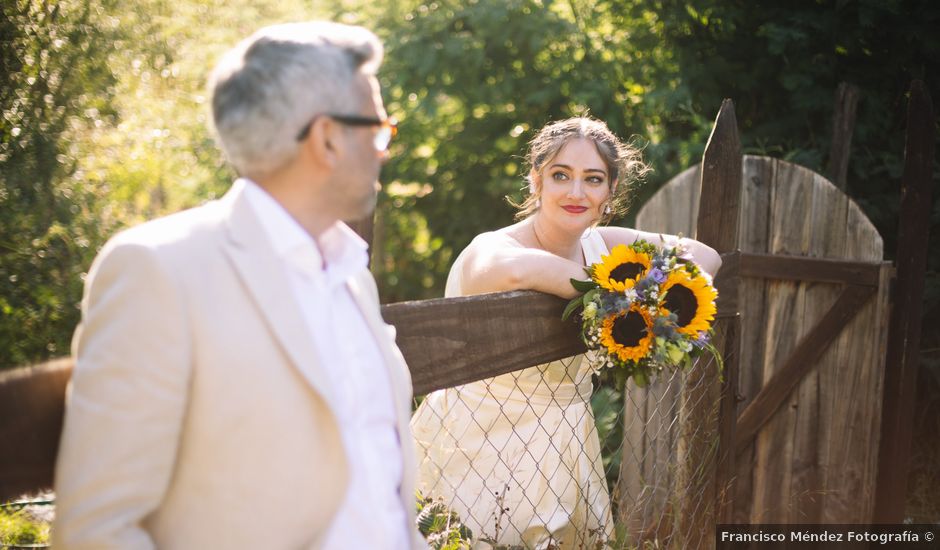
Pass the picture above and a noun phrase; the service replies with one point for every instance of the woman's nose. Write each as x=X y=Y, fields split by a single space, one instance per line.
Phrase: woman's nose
x=576 y=190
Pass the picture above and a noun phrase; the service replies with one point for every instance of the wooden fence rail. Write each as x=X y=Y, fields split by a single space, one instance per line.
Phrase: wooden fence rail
x=445 y=341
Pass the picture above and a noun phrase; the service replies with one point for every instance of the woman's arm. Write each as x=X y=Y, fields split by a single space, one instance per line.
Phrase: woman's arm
x=705 y=256
x=495 y=263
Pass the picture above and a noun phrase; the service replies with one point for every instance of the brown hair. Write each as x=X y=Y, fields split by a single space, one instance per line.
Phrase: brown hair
x=624 y=162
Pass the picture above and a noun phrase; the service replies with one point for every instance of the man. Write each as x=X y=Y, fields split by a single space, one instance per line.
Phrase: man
x=235 y=385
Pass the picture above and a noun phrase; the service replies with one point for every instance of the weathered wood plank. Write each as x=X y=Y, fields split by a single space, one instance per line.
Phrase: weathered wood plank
x=850 y=438
x=32 y=407
x=697 y=454
x=720 y=202
x=815 y=270
x=758 y=179
x=647 y=468
x=727 y=422
x=659 y=214
x=904 y=337
x=799 y=362
x=452 y=341
x=828 y=213
x=783 y=328
x=717 y=226
x=646 y=481
x=843 y=126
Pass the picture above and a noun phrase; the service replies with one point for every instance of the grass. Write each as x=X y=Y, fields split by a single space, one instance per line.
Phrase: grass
x=17 y=527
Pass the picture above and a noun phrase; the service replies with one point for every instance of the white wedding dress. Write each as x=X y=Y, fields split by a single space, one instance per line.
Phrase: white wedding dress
x=517 y=456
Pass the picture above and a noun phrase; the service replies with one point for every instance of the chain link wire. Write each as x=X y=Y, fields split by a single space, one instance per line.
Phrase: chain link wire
x=552 y=457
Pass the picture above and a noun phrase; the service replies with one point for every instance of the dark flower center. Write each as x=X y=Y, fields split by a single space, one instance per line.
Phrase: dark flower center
x=681 y=301
x=629 y=329
x=626 y=271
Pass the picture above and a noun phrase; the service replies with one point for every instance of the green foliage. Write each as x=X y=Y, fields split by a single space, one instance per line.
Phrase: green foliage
x=54 y=61
x=471 y=82
x=607 y=406
x=441 y=526
x=17 y=528
x=103 y=125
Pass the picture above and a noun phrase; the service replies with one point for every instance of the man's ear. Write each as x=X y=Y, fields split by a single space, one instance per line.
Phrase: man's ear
x=322 y=142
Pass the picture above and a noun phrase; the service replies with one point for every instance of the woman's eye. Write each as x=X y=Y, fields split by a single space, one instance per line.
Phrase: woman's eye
x=560 y=176
x=596 y=180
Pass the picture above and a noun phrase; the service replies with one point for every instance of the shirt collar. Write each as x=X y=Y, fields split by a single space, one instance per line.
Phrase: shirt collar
x=343 y=250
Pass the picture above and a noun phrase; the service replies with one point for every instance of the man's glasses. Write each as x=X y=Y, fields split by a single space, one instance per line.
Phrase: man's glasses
x=388 y=128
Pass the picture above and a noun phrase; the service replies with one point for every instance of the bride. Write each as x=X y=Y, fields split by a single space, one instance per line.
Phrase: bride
x=517 y=456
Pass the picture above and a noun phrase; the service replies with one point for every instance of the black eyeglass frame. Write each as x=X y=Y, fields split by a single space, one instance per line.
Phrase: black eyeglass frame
x=350 y=120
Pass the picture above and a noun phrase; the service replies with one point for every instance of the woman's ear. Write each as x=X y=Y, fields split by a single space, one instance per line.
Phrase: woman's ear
x=535 y=182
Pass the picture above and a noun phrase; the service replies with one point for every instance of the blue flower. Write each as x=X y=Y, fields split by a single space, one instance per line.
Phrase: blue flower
x=701 y=341
x=657 y=275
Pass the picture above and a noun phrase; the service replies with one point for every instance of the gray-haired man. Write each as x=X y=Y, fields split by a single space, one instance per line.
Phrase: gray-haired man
x=235 y=385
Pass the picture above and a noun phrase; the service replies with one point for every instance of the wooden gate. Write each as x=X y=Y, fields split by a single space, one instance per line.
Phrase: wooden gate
x=808 y=279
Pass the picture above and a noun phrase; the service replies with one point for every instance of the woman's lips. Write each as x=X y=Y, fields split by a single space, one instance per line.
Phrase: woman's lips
x=575 y=209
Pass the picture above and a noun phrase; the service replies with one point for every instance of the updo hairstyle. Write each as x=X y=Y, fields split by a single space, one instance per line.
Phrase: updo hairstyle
x=623 y=160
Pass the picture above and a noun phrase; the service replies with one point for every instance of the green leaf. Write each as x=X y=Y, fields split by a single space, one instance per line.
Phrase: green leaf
x=590 y=295
x=640 y=379
x=675 y=354
x=572 y=306
x=583 y=286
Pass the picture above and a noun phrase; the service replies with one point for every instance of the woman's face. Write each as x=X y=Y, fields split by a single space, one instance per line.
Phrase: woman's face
x=575 y=186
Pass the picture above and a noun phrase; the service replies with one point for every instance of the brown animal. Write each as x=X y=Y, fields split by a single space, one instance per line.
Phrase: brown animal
x=32 y=405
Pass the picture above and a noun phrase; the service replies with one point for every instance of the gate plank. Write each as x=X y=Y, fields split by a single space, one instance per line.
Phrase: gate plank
x=827 y=240
x=758 y=181
x=800 y=361
x=717 y=226
x=904 y=340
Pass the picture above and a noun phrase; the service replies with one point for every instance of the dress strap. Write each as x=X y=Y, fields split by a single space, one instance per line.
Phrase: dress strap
x=593 y=246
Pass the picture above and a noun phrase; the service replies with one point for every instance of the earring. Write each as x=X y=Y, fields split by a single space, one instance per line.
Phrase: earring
x=607 y=209
x=538 y=203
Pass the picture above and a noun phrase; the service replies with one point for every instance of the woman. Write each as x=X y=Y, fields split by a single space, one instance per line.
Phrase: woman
x=517 y=456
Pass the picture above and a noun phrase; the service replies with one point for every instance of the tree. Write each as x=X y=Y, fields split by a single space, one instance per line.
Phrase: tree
x=56 y=82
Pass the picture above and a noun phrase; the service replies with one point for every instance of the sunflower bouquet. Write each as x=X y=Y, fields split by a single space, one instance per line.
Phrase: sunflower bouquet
x=645 y=309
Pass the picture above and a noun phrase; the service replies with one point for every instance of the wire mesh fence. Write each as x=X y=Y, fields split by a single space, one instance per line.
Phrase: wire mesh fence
x=554 y=456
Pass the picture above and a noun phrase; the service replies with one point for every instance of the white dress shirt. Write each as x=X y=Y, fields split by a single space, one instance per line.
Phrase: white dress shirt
x=372 y=514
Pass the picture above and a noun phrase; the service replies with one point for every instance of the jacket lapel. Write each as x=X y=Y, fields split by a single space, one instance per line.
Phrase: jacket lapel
x=266 y=280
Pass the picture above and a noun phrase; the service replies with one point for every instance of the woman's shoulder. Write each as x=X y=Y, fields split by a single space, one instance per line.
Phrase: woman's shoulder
x=485 y=244
x=502 y=237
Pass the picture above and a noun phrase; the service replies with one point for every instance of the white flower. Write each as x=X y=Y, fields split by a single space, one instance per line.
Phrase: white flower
x=590 y=311
x=630 y=293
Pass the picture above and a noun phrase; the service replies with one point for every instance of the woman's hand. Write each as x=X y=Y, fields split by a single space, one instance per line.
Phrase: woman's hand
x=705 y=256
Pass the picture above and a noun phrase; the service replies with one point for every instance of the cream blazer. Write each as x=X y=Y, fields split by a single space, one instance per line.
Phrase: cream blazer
x=198 y=415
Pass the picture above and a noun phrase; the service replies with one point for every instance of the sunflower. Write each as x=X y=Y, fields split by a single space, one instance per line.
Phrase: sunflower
x=692 y=299
x=628 y=335
x=621 y=269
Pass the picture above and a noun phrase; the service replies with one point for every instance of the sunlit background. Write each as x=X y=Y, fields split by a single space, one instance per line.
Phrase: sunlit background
x=104 y=120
